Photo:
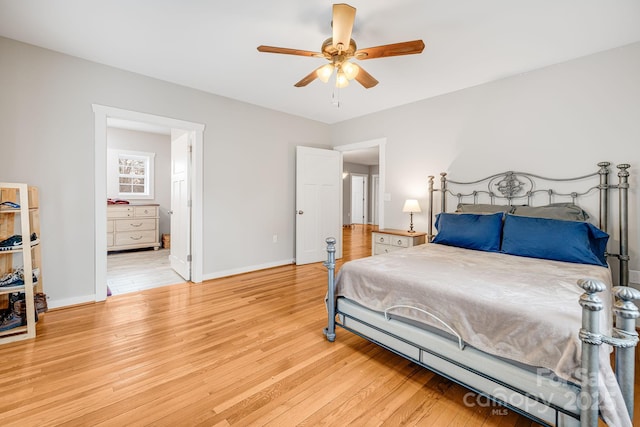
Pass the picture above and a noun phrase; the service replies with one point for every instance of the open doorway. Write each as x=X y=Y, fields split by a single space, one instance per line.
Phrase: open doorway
x=139 y=178
x=363 y=187
x=102 y=117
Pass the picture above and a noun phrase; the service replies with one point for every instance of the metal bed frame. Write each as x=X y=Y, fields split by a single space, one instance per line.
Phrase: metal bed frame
x=433 y=352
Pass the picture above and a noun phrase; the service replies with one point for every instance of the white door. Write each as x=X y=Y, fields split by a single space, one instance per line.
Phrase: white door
x=358 y=199
x=318 y=203
x=180 y=252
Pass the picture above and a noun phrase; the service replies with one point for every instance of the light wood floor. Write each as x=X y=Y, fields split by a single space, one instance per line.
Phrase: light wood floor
x=131 y=271
x=244 y=350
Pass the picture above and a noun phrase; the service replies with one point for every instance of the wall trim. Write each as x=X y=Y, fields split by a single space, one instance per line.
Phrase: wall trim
x=247 y=269
x=66 y=302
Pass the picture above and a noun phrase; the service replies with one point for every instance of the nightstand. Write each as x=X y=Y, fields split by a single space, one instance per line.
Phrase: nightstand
x=389 y=240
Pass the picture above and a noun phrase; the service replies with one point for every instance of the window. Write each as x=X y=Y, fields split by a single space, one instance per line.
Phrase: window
x=134 y=174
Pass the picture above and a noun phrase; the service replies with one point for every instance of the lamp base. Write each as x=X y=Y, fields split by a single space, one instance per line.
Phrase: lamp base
x=411 y=230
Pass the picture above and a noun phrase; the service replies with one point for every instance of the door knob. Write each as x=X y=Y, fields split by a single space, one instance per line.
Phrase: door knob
x=300 y=212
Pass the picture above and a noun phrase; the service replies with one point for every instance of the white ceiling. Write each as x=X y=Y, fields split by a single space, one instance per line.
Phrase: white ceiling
x=211 y=45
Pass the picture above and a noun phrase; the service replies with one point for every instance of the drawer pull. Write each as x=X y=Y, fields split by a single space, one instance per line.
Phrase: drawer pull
x=382 y=239
x=399 y=242
x=135 y=238
x=136 y=225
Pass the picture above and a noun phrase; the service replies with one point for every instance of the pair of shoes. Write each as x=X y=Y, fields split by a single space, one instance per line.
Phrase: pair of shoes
x=18 y=303
x=17 y=278
x=10 y=205
x=15 y=242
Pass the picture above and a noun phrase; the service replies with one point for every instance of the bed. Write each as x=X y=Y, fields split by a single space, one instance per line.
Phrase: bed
x=513 y=298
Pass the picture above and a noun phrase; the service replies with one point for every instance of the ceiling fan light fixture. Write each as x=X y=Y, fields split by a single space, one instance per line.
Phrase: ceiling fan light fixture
x=325 y=72
x=341 y=79
x=350 y=70
x=340 y=48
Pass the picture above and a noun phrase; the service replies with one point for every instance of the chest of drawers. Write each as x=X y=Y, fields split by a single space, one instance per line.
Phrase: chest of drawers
x=388 y=240
x=132 y=227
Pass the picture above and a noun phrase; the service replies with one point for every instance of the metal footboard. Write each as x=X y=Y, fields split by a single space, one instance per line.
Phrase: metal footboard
x=624 y=340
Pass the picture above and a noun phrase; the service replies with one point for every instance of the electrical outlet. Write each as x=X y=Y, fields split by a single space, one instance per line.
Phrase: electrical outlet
x=275 y=238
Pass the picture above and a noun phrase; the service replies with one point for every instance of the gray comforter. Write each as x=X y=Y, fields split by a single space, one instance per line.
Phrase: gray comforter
x=522 y=309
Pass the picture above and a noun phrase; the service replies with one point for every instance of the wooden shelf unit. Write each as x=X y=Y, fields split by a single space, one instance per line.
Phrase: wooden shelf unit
x=22 y=221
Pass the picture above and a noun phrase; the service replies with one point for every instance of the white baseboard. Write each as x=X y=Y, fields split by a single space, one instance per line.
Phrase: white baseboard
x=247 y=269
x=634 y=277
x=66 y=302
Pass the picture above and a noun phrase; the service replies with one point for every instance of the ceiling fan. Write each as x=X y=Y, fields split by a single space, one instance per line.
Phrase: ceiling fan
x=340 y=48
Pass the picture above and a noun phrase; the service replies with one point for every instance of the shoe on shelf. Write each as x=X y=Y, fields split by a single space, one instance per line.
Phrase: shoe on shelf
x=35 y=273
x=11 y=242
x=10 y=320
x=18 y=305
x=17 y=277
x=11 y=279
x=10 y=205
x=15 y=242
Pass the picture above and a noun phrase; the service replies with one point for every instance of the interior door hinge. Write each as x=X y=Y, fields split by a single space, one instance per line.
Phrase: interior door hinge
x=190 y=148
x=188 y=258
x=188 y=203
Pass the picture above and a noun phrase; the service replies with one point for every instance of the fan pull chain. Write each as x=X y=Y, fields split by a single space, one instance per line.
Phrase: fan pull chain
x=335 y=96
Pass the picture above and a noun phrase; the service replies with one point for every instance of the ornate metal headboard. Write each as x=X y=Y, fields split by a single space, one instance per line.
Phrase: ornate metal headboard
x=514 y=188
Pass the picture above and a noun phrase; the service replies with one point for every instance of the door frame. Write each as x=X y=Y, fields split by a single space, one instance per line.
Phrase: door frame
x=380 y=143
x=101 y=114
x=375 y=185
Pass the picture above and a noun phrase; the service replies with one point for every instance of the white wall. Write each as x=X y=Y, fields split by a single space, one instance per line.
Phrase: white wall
x=160 y=145
x=558 y=121
x=47 y=140
x=561 y=119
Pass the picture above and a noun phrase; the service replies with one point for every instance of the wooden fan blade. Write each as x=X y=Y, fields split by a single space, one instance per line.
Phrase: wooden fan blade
x=308 y=78
x=396 y=49
x=287 y=51
x=343 y=19
x=365 y=79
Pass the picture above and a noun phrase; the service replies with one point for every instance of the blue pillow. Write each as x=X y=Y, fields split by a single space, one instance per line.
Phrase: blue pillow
x=560 y=240
x=470 y=231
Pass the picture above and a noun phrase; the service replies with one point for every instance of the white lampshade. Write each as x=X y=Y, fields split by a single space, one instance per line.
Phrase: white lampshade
x=324 y=72
x=411 y=205
x=341 y=79
x=350 y=70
